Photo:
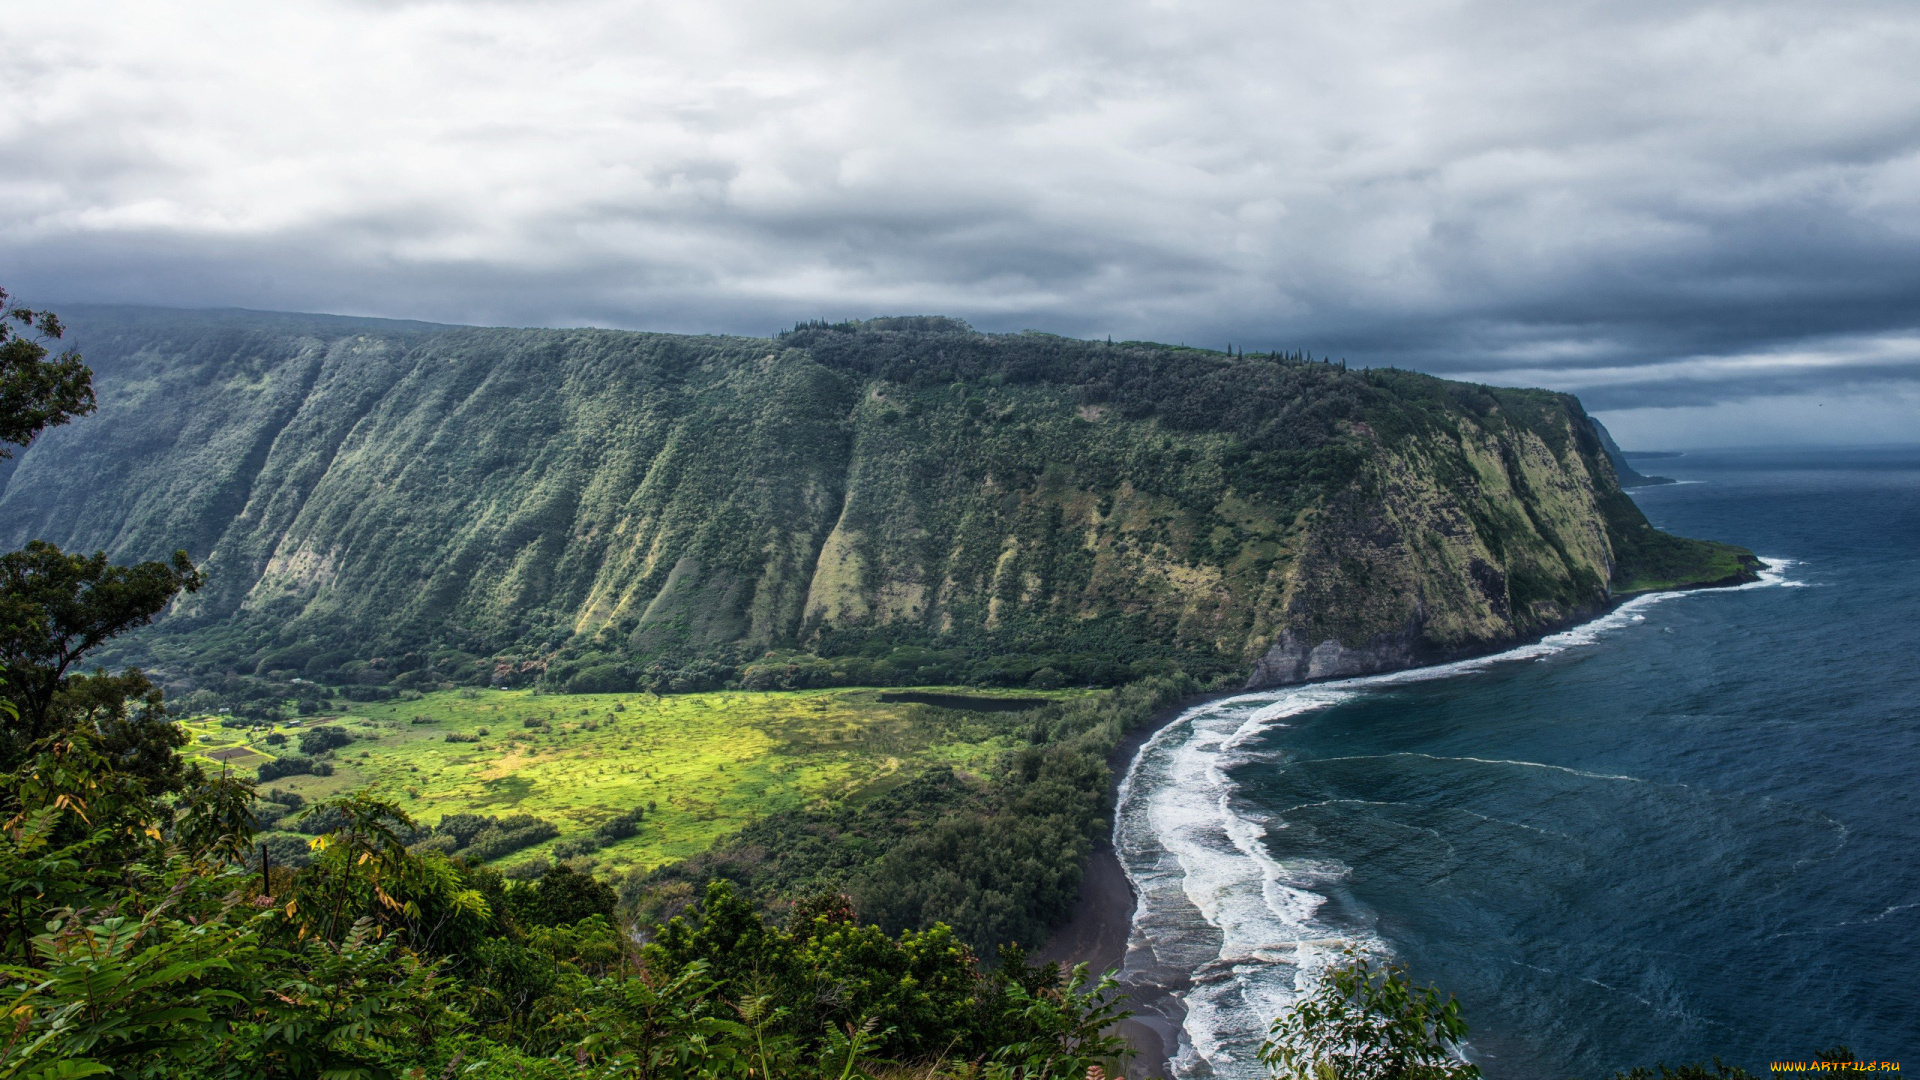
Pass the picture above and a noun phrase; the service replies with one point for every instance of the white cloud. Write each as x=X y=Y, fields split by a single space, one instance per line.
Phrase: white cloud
x=1844 y=418
x=1483 y=186
x=1761 y=373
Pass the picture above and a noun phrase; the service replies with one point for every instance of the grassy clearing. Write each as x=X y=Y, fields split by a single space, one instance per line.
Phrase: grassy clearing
x=1682 y=563
x=706 y=764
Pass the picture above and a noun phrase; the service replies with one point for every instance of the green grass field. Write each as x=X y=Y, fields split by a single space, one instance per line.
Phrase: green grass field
x=707 y=764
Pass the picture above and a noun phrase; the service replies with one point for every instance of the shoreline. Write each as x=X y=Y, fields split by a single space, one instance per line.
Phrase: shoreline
x=1097 y=931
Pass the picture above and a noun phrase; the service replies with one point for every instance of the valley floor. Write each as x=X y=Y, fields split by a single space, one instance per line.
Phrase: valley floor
x=704 y=765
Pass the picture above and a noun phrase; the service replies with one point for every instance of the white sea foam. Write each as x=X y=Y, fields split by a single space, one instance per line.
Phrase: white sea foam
x=1494 y=761
x=1213 y=902
x=1244 y=927
x=1773 y=572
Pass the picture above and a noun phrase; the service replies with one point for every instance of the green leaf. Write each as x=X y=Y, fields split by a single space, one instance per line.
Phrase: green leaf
x=70 y=1069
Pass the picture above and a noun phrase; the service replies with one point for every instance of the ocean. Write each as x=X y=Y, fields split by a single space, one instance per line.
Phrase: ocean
x=1685 y=830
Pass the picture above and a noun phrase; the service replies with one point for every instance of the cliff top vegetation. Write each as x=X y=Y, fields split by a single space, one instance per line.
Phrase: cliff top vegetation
x=386 y=508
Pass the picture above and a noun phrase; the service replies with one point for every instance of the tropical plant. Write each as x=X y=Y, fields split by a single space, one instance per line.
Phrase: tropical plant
x=1366 y=1020
x=362 y=870
x=1070 y=1030
x=653 y=1027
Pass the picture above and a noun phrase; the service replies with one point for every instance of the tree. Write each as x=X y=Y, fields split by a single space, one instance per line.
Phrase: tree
x=36 y=393
x=319 y=740
x=1367 y=1021
x=54 y=609
x=361 y=869
x=565 y=896
x=127 y=717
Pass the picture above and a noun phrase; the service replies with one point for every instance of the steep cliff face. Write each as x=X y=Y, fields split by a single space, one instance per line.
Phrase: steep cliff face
x=499 y=503
x=1450 y=544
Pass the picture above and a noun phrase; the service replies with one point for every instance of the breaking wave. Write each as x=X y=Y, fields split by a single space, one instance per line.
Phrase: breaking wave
x=1232 y=932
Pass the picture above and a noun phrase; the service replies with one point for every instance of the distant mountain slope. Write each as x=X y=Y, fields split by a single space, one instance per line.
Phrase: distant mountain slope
x=1629 y=477
x=902 y=499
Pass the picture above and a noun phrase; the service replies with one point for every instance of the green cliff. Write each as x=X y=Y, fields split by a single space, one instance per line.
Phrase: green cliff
x=900 y=500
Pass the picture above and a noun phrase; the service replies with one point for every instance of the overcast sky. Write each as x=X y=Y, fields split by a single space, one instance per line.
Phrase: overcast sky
x=1703 y=217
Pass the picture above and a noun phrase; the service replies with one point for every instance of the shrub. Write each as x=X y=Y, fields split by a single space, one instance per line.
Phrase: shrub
x=324 y=667
x=462 y=827
x=445 y=845
x=266 y=813
x=292 y=800
x=292 y=659
x=293 y=765
x=455 y=736
x=530 y=870
x=257 y=713
x=201 y=701
x=320 y=740
x=621 y=827
x=483 y=839
x=322 y=819
x=511 y=835
x=602 y=679
x=283 y=849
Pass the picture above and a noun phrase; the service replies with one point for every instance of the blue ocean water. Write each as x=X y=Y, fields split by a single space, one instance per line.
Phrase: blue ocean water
x=1684 y=831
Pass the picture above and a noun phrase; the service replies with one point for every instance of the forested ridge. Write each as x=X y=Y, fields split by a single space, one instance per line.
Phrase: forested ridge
x=387 y=506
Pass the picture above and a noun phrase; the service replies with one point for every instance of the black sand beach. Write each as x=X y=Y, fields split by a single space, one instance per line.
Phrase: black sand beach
x=1096 y=934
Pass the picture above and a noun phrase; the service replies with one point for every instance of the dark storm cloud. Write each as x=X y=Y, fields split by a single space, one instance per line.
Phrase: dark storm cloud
x=1673 y=206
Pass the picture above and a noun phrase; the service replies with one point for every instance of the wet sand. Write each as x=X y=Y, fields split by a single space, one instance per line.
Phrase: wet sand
x=1096 y=934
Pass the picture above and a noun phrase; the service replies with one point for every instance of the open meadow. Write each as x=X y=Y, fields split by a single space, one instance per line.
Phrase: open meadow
x=701 y=765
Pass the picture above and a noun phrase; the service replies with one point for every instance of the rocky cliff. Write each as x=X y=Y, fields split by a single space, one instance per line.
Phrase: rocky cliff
x=899 y=500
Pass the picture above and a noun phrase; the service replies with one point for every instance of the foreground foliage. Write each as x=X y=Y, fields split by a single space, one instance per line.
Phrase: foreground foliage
x=1368 y=1021
x=140 y=944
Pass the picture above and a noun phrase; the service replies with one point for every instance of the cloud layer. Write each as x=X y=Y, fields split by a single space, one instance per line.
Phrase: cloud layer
x=1669 y=207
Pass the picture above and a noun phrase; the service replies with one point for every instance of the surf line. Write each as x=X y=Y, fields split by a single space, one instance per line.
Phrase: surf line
x=1223 y=936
